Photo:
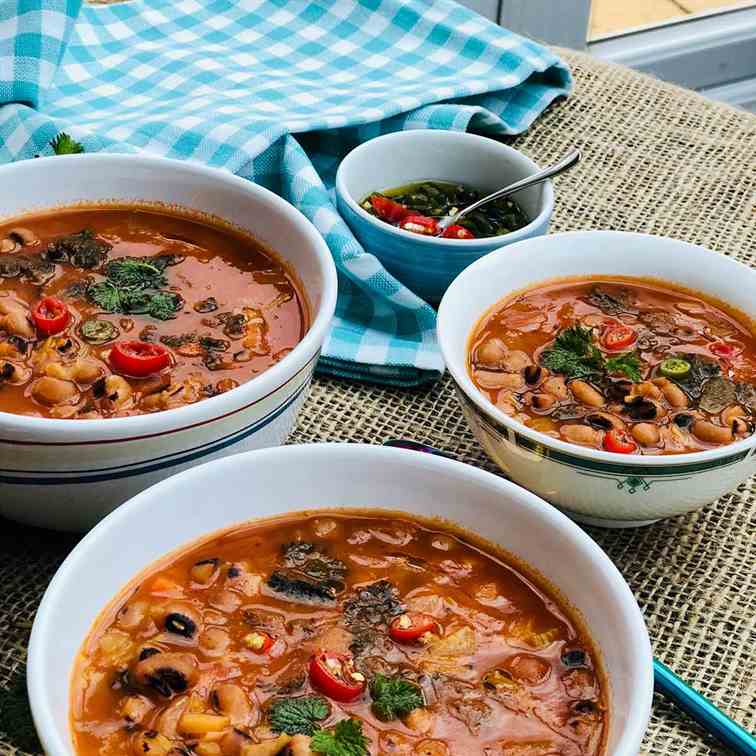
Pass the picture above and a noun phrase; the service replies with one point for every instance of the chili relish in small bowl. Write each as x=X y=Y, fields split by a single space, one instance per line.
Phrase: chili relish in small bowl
x=393 y=190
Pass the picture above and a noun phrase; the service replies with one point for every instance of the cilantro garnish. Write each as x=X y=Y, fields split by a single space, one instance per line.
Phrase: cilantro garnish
x=627 y=363
x=574 y=355
x=298 y=716
x=394 y=697
x=133 y=286
x=63 y=144
x=346 y=739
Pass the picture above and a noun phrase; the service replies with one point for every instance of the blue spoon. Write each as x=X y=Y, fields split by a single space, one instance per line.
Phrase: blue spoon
x=666 y=682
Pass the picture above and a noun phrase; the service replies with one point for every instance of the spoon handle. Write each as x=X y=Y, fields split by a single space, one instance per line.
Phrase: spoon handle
x=704 y=712
x=565 y=163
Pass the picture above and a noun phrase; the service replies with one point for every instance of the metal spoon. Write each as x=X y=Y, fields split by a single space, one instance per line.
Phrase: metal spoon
x=564 y=164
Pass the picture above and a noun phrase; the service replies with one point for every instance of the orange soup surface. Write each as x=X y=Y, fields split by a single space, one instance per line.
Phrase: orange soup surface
x=301 y=634
x=114 y=311
x=629 y=366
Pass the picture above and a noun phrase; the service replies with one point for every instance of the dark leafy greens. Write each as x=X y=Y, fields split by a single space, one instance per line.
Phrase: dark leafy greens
x=133 y=285
x=575 y=355
x=701 y=370
x=82 y=249
x=298 y=716
x=346 y=739
x=307 y=574
x=394 y=697
x=64 y=144
x=436 y=199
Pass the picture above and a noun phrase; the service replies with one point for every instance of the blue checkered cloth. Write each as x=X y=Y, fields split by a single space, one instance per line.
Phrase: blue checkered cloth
x=276 y=91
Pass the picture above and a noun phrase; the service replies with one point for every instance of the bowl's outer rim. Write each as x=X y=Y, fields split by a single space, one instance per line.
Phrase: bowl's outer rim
x=470 y=246
x=465 y=384
x=21 y=428
x=42 y=636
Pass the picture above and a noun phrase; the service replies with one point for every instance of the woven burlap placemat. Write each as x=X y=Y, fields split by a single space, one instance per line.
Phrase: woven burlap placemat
x=657 y=159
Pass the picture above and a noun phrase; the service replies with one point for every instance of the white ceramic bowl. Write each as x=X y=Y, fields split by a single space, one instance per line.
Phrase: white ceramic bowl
x=273 y=481
x=428 y=264
x=596 y=487
x=67 y=474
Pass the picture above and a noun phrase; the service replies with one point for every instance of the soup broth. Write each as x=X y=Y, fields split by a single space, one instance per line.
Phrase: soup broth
x=625 y=365
x=115 y=311
x=286 y=636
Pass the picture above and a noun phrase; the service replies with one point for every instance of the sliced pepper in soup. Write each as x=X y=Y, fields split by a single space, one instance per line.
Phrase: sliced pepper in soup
x=343 y=634
x=625 y=365
x=113 y=311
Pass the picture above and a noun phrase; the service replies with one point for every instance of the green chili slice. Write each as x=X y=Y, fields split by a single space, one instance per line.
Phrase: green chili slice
x=675 y=367
x=98 y=331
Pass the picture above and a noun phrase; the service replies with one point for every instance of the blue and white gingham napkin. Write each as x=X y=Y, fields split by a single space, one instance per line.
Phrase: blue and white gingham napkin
x=276 y=91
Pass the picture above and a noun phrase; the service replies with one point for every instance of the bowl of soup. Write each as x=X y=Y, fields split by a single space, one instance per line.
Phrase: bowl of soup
x=612 y=373
x=393 y=189
x=339 y=595
x=153 y=314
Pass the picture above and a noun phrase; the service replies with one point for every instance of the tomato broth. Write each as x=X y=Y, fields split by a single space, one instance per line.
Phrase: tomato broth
x=108 y=311
x=299 y=634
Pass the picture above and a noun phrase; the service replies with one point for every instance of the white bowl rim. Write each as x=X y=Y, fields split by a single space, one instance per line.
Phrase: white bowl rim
x=43 y=632
x=459 y=373
x=461 y=245
x=81 y=431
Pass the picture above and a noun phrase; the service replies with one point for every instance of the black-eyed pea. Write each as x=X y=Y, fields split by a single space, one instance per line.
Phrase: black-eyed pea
x=491 y=352
x=674 y=395
x=516 y=360
x=740 y=426
x=231 y=701
x=204 y=571
x=117 y=391
x=709 y=433
x=580 y=434
x=586 y=394
x=48 y=390
x=214 y=641
x=646 y=434
x=542 y=402
x=557 y=386
x=730 y=413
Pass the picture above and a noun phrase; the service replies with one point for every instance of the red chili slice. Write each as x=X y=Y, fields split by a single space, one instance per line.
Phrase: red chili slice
x=408 y=627
x=724 y=350
x=420 y=224
x=387 y=209
x=138 y=358
x=50 y=315
x=619 y=442
x=458 y=232
x=618 y=337
x=335 y=675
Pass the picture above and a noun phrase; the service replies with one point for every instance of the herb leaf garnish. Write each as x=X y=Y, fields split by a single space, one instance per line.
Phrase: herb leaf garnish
x=133 y=286
x=628 y=363
x=394 y=697
x=573 y=354
x=298 y=716
x=63 y=144
x=346 y=739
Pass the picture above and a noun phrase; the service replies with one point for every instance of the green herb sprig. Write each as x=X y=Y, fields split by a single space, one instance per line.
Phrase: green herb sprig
x=574 y=355
x=64 y=144
x=346 y=739
x=394 y=697
x=132 y=285
x=298 y=716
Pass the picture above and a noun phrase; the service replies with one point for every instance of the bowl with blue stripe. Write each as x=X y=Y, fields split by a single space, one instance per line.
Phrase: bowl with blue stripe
x=68 y=474
x=428 y=264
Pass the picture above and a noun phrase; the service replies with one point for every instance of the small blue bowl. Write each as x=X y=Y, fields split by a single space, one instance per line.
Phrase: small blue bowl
x=427 y=265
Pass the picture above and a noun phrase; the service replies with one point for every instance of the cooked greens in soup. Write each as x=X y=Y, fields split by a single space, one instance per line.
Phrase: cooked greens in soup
x=113 y=311
x=418 y=207
x=341 y=633
x=625 y=365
